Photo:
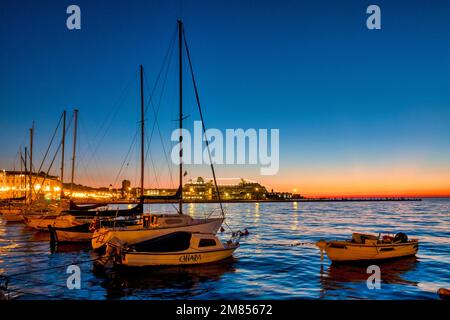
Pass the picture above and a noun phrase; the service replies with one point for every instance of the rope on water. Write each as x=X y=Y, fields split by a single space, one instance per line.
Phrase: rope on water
x=50 y=268
x=5 y=279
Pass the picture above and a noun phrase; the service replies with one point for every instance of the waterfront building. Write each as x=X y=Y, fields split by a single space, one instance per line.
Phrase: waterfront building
x=126 y=189
x=16 y=184
x=200 y=189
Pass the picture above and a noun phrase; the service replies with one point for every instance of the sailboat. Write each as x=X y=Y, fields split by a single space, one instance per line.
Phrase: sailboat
x=40 y=213
x=173 y=249
x=11 y=209
x=15 y=210
x=157 y=225
x=67 y=214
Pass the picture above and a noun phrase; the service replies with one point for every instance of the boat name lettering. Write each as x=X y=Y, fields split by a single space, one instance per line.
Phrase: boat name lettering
x=190 y=258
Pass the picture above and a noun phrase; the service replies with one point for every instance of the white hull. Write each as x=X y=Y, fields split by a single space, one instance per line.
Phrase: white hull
x=42 y=223
x=138 y=234
x=143 y=259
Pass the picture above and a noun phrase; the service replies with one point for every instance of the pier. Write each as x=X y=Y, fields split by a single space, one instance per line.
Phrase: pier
x=371 y=199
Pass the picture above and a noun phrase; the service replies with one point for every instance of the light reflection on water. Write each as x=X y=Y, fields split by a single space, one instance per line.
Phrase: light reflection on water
x=265 y=266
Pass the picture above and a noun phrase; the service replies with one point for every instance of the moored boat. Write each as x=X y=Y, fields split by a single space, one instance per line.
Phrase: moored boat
x=155 y=225
x=84 y=232
x=179 y=248
x=363 y=247
x=12 y=215
x=41 y=223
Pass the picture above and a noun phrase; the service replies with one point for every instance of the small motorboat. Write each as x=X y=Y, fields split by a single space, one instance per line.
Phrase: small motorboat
x=178 y=248
x=366 y=247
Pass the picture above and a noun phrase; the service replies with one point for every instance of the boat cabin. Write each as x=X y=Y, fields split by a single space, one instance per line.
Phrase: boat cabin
x=179 y=241
x=150 y=221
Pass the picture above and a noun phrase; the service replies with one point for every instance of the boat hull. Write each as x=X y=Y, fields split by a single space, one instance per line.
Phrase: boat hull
x=143 y=259
x=12 y=216
x=350 y=252
x=134 y=235
x=63 y=236
x=42 y=223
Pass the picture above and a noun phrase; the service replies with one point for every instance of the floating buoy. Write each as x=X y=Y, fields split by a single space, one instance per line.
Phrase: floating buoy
x=444 y=293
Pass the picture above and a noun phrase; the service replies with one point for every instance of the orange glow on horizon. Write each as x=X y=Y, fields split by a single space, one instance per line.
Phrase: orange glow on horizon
x=401 y=180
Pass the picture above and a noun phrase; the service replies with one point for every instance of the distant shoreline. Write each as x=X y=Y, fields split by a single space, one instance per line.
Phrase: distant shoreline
x=383 y=199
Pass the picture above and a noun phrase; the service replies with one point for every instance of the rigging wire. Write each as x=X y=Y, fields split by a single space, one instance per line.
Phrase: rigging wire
x=203 y=122
x=146 y=108
x=54 y=157
x=126 y=158
x=107 y=123
x=91 y=151
x=47 y=151
x=165 y=66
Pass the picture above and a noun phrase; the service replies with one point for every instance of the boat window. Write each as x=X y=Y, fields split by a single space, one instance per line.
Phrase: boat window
x=177 y=241
x=206 y=243
x=173 y=221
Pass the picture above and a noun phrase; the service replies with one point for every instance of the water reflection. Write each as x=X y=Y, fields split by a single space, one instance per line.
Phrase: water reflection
x=343 y=276
x=266 y=267
x=256 y=215
x=158 y=282
x=71 y=247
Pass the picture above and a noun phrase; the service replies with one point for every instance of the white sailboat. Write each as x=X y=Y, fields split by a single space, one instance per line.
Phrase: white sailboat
x=178 y=248
x=162 y=224
x=41 y=213
x=156 y=225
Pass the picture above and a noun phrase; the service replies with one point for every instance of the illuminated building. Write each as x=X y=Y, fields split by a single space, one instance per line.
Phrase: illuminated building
x=16 y=184
x=199 y=189
x=126 y=188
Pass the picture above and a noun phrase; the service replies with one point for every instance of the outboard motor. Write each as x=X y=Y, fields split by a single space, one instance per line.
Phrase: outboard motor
x=401 y=237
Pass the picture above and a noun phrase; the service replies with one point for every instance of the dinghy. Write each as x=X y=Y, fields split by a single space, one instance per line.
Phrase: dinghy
x=179 y=248
x=364 y=247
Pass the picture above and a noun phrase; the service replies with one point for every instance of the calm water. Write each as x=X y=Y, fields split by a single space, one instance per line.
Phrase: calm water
x=264 y=267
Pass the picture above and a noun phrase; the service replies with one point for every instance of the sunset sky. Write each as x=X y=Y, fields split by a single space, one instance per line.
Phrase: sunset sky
x=360 y=112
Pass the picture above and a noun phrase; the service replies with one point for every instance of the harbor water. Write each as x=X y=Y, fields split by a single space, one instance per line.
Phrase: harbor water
x=277 y=260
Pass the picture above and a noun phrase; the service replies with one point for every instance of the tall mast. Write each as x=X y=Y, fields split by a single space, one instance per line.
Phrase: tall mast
x=21 y=170
x=142 y=130
x=31 y=162
x=63 y=143
x=26 y=172
x=75 y=118
x=180 y=62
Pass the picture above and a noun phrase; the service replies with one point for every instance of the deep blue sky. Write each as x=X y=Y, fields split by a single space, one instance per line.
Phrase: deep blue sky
x=349 y=102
